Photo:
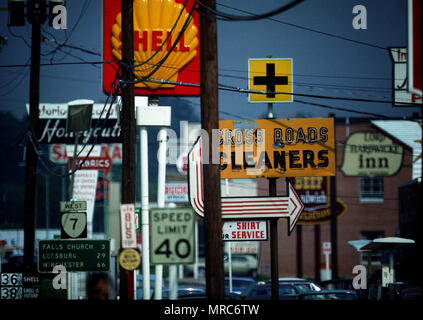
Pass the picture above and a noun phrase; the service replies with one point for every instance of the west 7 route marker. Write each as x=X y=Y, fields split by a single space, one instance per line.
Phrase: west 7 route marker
x=289 y=207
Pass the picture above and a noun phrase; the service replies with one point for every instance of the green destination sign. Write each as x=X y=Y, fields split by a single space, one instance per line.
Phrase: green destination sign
x=74 y=255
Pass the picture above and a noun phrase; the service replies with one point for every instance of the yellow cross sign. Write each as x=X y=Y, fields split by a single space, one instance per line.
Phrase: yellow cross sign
x=273 y=77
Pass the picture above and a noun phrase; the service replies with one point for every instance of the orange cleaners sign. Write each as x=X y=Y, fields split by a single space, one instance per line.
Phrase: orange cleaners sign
x=166 y=46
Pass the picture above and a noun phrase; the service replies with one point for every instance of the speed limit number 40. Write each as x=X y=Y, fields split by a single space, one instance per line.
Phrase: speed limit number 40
x=172 y=239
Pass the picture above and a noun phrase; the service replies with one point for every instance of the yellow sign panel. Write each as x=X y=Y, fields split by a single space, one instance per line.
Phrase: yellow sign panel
x=129 y=259
x=273 y=76
x=277 y=148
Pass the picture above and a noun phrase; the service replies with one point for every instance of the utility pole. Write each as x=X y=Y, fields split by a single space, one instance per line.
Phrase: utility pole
x=333 y=218
x=37 y=17
x=128 y=131
x=273 y=222
x=317 y=252
x=211 y=172
x=299 y=232
x=274 y=250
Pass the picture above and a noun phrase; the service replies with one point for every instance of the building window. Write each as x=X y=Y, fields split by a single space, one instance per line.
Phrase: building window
x=371 y=189
x=371 y=235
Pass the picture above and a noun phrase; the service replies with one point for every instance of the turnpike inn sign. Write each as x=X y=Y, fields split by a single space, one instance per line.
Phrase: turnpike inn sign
x=371 y=153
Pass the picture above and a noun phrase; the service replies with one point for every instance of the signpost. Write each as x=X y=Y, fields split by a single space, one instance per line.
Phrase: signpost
x=176 y=192
x=245 y=230
x=127 y=223
x=75 y=255
x=275 y=148
x=270 y=75
x=103 y=163
x=172 y=235
x=156 y=33
x=401 y=78
x=371 y=154
x=415 y=77
x=289 y=206
x=315 y=194
x=327 y=251
x=73 y=219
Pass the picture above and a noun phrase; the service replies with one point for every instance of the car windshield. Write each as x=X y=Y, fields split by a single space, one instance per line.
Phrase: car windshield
x=302 y=287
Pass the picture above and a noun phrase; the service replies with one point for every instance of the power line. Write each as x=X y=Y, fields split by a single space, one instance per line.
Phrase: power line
x=312 y=30
x=251 y=16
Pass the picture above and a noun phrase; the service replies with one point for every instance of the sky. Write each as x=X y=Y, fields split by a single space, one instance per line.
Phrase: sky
x=317 y=35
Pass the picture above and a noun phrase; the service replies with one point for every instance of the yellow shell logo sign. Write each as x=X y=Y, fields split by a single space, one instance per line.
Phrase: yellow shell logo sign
x=153 y=23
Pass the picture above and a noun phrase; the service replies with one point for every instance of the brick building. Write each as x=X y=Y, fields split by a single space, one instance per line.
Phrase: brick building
x=371 y=211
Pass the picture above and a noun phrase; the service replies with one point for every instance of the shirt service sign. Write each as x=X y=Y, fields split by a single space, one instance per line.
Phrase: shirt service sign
x=277 y=148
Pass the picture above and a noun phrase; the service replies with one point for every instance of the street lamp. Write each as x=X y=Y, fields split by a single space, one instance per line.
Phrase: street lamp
x=79 y=120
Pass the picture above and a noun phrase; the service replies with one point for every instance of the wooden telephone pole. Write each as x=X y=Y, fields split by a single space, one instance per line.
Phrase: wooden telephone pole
x=37 y=18
x=128 y=130
x=211 y=172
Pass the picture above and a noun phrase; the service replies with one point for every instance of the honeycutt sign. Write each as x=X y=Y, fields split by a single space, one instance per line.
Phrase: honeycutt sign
x=51 y=128
x=159 y=40
x=277 y=148
x=315 y=195
x=371 y=153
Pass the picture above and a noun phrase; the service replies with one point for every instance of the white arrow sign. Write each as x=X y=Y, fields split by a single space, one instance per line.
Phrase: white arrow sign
x=289 y=207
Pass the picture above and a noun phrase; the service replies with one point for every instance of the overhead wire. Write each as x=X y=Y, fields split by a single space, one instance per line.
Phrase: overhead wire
x=31 y=132
x=157 y=65
x=251 y=16
x=310 y=29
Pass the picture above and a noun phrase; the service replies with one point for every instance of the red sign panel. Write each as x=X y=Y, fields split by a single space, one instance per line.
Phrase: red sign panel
x=415 y=77
x=161 y=44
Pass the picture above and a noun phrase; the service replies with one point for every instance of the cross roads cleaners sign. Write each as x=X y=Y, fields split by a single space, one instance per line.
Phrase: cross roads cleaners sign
x=277 y=148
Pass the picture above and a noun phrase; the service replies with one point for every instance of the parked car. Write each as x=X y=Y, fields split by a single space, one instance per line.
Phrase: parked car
x=185 y=292
x=337 y=284
x=239 y=284
x=242 y=265
x=15 y=264
x=263 y=291
x=140 y=287
x=328 y=295
x=301 y=285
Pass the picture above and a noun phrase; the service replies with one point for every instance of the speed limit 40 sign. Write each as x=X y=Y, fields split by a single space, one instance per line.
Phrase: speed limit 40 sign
x=172 y=236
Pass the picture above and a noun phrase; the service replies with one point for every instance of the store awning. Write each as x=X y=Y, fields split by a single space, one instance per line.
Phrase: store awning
x=380 y=244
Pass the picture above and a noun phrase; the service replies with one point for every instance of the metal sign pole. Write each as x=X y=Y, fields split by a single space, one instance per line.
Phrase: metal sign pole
x=274 y=266
x=161 y=181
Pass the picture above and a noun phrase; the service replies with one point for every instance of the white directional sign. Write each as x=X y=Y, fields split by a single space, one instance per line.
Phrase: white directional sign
x=289 y=207
x=244 y=230
x=73 y=206
x=127 y=224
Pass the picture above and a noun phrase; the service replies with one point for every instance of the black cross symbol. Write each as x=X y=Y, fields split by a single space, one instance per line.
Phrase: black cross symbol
x=270 y=80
